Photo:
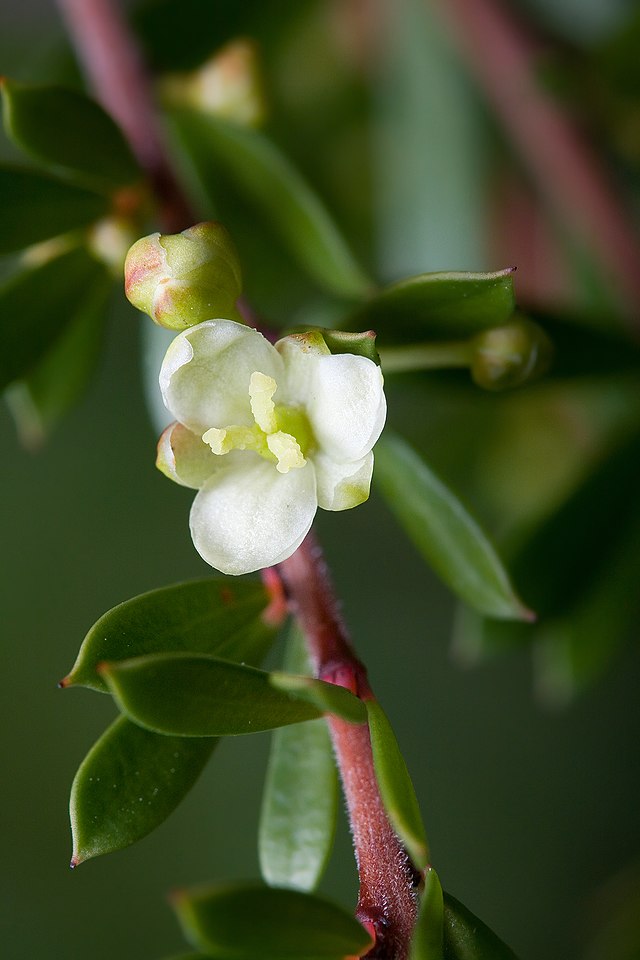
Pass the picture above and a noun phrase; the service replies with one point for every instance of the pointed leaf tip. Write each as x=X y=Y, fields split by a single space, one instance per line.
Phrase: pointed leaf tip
x=191 y=695
x=129 y=783
x=442 y=529
x=201 y=616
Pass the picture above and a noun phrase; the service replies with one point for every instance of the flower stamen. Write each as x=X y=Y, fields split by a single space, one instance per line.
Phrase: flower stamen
x=261 y=390
x=287 y=450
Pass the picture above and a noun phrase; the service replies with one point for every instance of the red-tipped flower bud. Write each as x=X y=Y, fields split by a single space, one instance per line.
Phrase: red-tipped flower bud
x=182 y=279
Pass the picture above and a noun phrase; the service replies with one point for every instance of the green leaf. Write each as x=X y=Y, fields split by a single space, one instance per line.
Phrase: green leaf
x=128 y=784
x=427 y=942
x=69 y=133
x=105 y=817
x=300 y=799
x=247 y=921
x=60 y=378
x=468 y=938
x=443 y=531
x=201 y=696
x=396 y=789
x=202 y=616
x=437 y=306
x=36 y=207
x=327 y=697
x=37 y=307
x=273 y=184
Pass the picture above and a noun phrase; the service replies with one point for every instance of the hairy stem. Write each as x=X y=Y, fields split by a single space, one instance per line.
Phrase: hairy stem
x=114 y=68
x=388 y=879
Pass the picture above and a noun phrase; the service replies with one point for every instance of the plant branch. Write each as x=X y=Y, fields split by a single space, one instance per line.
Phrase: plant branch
x=561 y=162
x=388 y=879
x=112 y=63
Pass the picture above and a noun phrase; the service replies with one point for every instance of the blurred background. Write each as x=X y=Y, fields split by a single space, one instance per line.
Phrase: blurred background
x=523 y=745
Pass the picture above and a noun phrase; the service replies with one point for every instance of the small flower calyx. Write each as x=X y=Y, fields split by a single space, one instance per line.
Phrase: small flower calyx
x=266 y=434
x=183 y=279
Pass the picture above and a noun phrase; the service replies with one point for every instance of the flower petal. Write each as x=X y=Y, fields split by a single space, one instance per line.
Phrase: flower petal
x=300 y=352
x=184 y=457
x=346 y=405
x=248 y=516
x=206 y=372
x=343 y=485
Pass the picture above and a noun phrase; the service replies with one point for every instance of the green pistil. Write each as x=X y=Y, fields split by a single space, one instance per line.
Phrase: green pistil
x=294 y=421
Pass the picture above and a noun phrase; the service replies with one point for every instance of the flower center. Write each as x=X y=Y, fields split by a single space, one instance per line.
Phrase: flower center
x=280 y=434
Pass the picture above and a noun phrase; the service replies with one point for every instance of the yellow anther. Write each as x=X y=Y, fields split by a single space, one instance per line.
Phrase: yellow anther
x=261 y=390
x=218 y=440
x=287 y=450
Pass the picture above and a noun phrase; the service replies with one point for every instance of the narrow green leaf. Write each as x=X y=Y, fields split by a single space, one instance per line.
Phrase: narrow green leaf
x=38 y=305
x=202 y=616
x=427 y=942
x=37 y=207
x=69 y=133
x=300 y=799
x=396 y=788
x=273 y=184
x=248 y=921
x=60 y=378
x=437 y=306
x=443 y=531
x=327 y=697
x=129 y=782
x=468 y=938
x=201 y=696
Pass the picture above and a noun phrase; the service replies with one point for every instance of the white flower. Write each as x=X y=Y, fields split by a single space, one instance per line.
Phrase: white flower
x=266 y=435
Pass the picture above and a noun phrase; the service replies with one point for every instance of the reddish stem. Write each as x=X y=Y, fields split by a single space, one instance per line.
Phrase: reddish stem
x=558 y=157
x=388 y=878
x=112 y=63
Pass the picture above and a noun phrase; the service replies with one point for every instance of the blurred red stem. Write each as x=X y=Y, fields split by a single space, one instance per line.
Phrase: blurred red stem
x=112 y=63
x=561 y=162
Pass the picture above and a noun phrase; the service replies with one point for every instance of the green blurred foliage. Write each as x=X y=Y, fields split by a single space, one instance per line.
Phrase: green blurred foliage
x=529 y=812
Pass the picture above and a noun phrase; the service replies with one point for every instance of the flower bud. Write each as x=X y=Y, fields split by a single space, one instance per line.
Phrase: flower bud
x=510 y=356
x=184 y=278
x=228 y=85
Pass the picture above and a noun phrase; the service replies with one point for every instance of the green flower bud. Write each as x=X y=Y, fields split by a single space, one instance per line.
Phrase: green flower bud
x=184 y=278
x=510 y=356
